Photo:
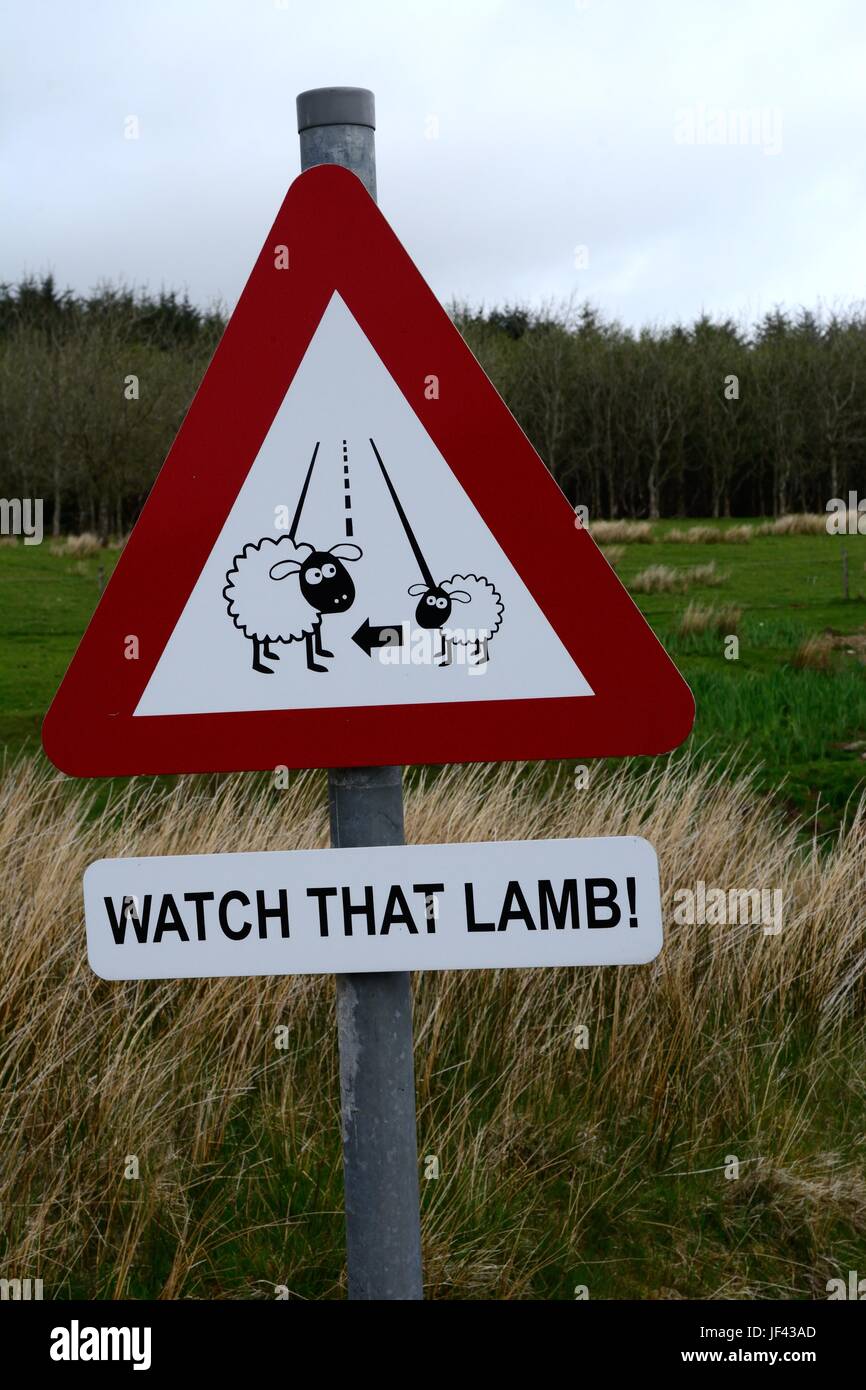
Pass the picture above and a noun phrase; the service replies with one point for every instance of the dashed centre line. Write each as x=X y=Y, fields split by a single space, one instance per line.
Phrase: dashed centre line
x=350 y=530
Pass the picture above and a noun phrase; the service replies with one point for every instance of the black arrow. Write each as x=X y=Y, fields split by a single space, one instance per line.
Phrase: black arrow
x=369 y=636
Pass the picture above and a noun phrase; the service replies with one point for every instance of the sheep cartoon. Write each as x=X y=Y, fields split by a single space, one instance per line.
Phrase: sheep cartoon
x=481 y=619
x=435 y=601
x=266 y=609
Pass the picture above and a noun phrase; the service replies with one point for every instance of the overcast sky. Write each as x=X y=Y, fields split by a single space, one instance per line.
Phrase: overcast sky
x=658 y=157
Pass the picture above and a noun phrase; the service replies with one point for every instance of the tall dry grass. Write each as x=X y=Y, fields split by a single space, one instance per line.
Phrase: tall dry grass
x=798 y=524
x=708 y=576
x=628 y=532
x=665 y=579
x=614 y=554
x=550 y=1156
x=85 y=544
x=699 y=618
x=659 y=579
x=624 y=532
x=814 y=653
x=710 y=535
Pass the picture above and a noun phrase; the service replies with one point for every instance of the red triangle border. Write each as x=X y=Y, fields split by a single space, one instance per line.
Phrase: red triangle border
x=338 y=240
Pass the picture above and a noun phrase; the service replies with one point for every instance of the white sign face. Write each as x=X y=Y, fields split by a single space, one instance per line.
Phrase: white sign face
x=353 y=569
x=401 y=907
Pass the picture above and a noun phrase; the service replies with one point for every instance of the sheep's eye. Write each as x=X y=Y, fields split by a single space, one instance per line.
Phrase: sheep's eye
x=329 y=571
x=430 y=601
x=313 y=576
x=441 y=603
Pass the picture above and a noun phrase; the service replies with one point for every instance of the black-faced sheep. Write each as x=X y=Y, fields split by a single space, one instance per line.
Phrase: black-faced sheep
x=481 y=609
x=266 y=608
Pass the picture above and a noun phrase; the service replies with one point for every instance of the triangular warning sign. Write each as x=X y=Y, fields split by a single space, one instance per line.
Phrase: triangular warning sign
x=352 y=554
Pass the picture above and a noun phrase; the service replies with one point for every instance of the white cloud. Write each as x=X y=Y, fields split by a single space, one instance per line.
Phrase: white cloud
x=556 y=125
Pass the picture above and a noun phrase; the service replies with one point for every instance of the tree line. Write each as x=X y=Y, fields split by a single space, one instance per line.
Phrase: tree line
x=709 y=419
x=92 y=392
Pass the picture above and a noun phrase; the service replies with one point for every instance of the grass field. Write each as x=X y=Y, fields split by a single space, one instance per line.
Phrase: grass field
x=607 y=1166
x=559 y=1166
x=805 y=728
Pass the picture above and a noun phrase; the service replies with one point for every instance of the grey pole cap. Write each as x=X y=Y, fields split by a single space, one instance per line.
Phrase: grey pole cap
x=336 y=106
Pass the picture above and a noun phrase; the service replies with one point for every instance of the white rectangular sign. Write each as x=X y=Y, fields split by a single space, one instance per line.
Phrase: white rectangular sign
x=399 y=907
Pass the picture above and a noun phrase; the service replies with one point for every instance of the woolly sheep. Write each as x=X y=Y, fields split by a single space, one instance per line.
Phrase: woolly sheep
x=481 y=610
x=278 y=591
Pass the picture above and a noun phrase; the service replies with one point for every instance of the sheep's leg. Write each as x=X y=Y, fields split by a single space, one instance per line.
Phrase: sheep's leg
x=311 y=664
x=257 y=658
x=317 y=639
x=445 y=653
x=481 y=653
x=266 y=649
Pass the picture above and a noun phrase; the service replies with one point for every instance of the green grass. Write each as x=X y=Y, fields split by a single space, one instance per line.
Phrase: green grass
x=46 y=602
x=794 y=723
x=798 y=725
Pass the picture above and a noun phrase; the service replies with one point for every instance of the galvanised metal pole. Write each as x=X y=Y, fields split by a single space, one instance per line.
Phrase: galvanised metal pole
x=374 y=1012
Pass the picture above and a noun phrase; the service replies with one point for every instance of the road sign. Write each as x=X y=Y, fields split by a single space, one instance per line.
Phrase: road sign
x=398 y=907
x=353 y=555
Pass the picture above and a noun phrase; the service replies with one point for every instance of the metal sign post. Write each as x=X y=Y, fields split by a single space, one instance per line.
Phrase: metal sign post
x=336 y=125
